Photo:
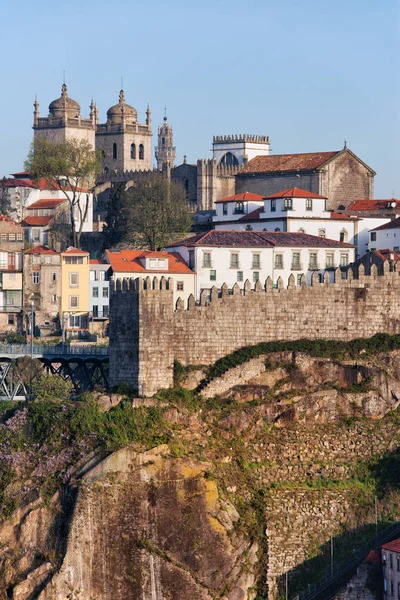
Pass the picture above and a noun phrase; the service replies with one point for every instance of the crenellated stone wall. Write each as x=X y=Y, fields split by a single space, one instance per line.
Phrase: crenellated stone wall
x=148 y=332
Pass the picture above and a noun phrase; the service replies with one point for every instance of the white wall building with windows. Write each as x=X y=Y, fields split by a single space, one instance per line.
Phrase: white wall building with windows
x=385 y=236
x=99 y=294
x=236 y=256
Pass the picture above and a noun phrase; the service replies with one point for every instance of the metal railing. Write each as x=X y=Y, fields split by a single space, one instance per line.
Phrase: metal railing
x=44 y=349
x=324 y=583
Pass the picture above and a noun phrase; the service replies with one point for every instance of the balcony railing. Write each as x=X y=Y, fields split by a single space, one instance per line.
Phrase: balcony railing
x=313 y=267
x=297 y=267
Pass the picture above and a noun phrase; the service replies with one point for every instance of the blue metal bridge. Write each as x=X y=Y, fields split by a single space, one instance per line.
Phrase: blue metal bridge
x=86 y=366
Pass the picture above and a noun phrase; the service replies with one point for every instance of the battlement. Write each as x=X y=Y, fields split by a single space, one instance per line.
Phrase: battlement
x=241 y=137
x=148 y=332
x=219 y=169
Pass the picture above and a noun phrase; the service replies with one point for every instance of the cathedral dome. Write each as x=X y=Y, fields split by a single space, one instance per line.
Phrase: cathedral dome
x=114 y=114
x=64 y=104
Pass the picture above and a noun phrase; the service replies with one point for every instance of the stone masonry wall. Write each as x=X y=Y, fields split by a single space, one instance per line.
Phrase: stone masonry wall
x=222 y=323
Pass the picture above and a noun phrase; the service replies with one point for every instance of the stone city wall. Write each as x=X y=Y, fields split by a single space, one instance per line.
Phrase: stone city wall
x=148 y=332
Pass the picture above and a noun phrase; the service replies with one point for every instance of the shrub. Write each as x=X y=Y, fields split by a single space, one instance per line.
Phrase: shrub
x=51 y=388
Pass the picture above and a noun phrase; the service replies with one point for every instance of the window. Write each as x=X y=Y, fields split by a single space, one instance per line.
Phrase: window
x=213 y=275
x=225 y=208
x=13 y=276
x=20 y=237
x=273 y=205
x=309 y=204
x=95 y=310
x=287 y=204
x=239 y=208
x=105 y=292
x=114 y=151
x=256 y=262
x=75 y=321
x=391 y=561
x=152 y=263
x=105 y=311
x=36 y=277
x=95 y=292
x=191 y=259
x=322 y=233
x=391 y=588
x=11 y=237
x=73 y=260
x=161 y=264
x=299 y=279
x=54 y=277
x=296 y=260
x=92 y=276
x=313 y=260
x=141 y=152
x=373 y=236
x=330 y=260
x=343 y=235
x=11 y=320
x=207 y=259
x=256 y=276
x=179 y=286
x=3 y=237
x=240 y=276
x=36 y=235
x=163 y=141
x=133 y=152
x=101 y=276
x=73 y=280
x=234 y=260
x=54 y=298
x=278 y=261
x=344 y=260
x=398 y=564
x=47 y=260
x=73 y=302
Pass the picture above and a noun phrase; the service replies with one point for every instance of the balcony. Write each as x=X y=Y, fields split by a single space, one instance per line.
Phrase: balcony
x=313 y=267
x=296 y=266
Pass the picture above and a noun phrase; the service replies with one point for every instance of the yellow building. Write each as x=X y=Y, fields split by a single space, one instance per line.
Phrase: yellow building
x=75 y=289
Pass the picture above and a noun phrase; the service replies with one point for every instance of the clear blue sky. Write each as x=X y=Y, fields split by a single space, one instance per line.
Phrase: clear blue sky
x=308 y=73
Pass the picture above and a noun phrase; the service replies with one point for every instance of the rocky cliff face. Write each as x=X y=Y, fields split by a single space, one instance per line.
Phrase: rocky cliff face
x=251 y=485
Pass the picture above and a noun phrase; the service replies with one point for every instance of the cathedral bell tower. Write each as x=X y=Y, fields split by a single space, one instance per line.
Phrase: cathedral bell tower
x=165 y=151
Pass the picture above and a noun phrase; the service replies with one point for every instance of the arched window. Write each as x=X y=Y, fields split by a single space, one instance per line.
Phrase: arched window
x=302 y=230
x=141 y=152
x=114 y=151
x=163 y=141
x=133 y=151
x=102 y=154
x=322 y=233
x=106 y=169
x=249 y=227
x=229 y=160
x=343 y=235
x=276 y=229
x=239 y=207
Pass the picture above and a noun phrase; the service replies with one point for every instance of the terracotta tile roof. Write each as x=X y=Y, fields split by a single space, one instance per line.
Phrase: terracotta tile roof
x=95 y=261
x=243 y=197
x=12 y=183
x=7 y=219
x=386 y=254
x=36 y=221
x=372 y=204
x=128 y=261
x=251 y=239
x=394 y=546
x=375 y=556
x=295 y=193
x=288 y=162
x=20 y=173
x=342 y=216
x=41 y=250
x=72 y=250
x=47 y=203
x=395 y=224
x=253 y=216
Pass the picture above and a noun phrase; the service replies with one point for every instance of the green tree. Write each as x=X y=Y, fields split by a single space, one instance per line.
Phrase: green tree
x=60 y=232
x=117 y=219
x=73 y=162
x=5 y=200
x=51 y=388
x=158 y=212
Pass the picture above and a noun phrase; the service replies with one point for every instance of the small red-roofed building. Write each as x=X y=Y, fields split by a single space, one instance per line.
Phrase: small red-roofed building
x=146 y=263
x=75 y=292
x=391 y=569
x=42 y=287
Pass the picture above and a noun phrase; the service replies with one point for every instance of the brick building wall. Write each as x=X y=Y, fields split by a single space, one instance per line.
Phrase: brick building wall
x=147 y=334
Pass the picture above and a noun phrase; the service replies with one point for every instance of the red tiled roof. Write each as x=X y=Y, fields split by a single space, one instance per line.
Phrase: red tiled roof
x=394 y=224
x=342 y=216
x=95 y=261
x=47 y=203
x=20 y=173
x=41 y=250
x=36 y=221
x=128 y=261
x=386 y=254
x=374 y=556
x=394 y=546
x=295 y=193
x=72 y=250
x=372 y=204
x=251 y=239
x=288 y=162
x=243 y=197
x=6 y=218
x=253 y=216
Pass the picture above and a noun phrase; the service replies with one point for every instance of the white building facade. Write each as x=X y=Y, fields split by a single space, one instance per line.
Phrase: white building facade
x=385 y=236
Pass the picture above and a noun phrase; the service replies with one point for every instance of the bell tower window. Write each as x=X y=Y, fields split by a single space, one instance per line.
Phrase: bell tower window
x=141 y=152
x=133 y=151
x=114 y=151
